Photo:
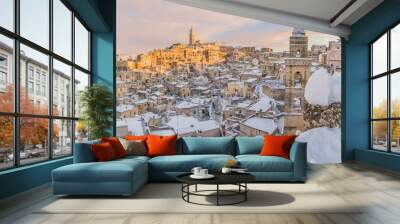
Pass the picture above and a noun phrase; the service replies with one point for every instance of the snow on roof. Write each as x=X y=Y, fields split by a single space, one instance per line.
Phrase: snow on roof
x=136 y=125
x=183 y=124
x=262 y=105
x=123 y=108
x=141 y=101
x=201 y=88
x=157 y=93
x=163 y=132
x=244 y=104
x=274 y=84
x=267 y=125
x=158 y=86
x=251 y=80
x=186 y=105
x=323 y=88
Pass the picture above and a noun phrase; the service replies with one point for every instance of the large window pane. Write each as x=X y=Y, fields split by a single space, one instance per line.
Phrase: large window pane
x=81 y=82
x=395 y=135
x=62 y=28
x=7 y=14
x=33 y=139
x=379 y=98
x=395 y=47
x=34 y=21
x=395 y=94
x=379 y=56
x=81 y=131
x=34 y=78
x=379 y=135
x=6 y=74
x=6 y=142
x=62 y=89
x=81 y=45
x=62 y=138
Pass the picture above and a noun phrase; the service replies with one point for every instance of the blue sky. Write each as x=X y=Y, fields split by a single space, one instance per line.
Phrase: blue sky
x=143 y=25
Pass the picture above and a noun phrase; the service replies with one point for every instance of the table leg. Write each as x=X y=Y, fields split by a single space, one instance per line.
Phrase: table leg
x=182 y=190
x=245 y=193
x=188 y=190
x=217 y=194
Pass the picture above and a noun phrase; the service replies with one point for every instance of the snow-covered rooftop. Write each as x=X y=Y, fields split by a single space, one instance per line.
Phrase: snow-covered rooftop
x=123 y=108
x=263 y=104
x=183 y=124
x=186 y=105
x=267 y=125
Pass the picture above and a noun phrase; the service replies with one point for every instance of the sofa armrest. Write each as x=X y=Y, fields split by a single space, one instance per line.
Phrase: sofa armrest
x=83 y=152
x=298 y=155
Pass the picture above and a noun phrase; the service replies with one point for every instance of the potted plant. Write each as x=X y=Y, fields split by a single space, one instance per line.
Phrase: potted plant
x=96 y=103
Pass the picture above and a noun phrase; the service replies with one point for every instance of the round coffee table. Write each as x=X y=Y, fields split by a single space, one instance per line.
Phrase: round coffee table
x=238 y=179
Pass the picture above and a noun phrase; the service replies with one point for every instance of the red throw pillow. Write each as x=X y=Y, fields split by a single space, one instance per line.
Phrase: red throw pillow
x=103 y=152
x=161 y=145
x=277 y=145
x=116 y=145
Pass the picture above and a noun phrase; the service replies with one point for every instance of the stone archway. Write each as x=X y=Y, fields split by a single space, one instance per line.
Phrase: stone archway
x=298 y=78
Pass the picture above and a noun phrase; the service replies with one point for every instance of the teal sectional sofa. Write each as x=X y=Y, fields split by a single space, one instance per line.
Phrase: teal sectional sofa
x=125 y=176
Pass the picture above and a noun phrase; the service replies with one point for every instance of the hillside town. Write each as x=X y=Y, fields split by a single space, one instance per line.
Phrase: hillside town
x=210 y=89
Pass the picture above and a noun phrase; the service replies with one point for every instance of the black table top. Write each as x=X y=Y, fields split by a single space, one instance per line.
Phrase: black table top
x=220 y=178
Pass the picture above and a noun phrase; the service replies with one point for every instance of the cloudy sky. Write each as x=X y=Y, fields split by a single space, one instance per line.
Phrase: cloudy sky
x=143 y=25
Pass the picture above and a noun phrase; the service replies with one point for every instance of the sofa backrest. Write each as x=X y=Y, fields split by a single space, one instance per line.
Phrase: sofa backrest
x=83 y=152
x=206 y=145
x=249 y=145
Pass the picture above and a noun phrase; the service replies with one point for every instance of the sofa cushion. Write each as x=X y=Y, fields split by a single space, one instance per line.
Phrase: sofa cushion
x=277 y=145
x=103 y=152
x=249 y=145
x=161 y=145
x=207 y=145
x=257 y=163
x=116 y=145
x=133 y=158
x=112 y=171
x=134 y=147
x=185 y=163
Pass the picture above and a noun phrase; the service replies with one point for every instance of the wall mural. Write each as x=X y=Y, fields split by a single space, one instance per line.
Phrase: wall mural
x=191 y=72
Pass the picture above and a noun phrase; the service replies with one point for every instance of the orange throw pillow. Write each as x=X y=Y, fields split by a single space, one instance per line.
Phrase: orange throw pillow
x=161 y=145
x=116 y=145
x=277 y=145
x=103 y=152
x=136 y=137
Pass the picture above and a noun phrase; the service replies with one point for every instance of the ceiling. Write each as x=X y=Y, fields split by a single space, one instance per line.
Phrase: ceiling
x=327 y=16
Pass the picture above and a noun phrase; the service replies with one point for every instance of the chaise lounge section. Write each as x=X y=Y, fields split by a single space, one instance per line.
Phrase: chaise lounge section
x=125 y=176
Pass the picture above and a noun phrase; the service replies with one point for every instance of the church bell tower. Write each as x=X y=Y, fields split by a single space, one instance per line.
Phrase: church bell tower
x=192 y=37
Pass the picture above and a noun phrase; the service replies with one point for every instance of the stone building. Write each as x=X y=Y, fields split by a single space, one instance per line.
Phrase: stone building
x=192 y=36
x=298 y=44
x=334 y=56
x=295 y=79
x=179 y=56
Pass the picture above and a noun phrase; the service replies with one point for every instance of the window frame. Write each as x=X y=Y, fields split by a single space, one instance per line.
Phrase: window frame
x=16 y=114
x=388 y=74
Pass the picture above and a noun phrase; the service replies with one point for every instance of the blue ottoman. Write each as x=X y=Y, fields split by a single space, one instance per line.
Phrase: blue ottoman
x=118 y=177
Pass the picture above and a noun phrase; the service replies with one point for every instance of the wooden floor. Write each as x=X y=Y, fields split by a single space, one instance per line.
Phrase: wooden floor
x=377 y=188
